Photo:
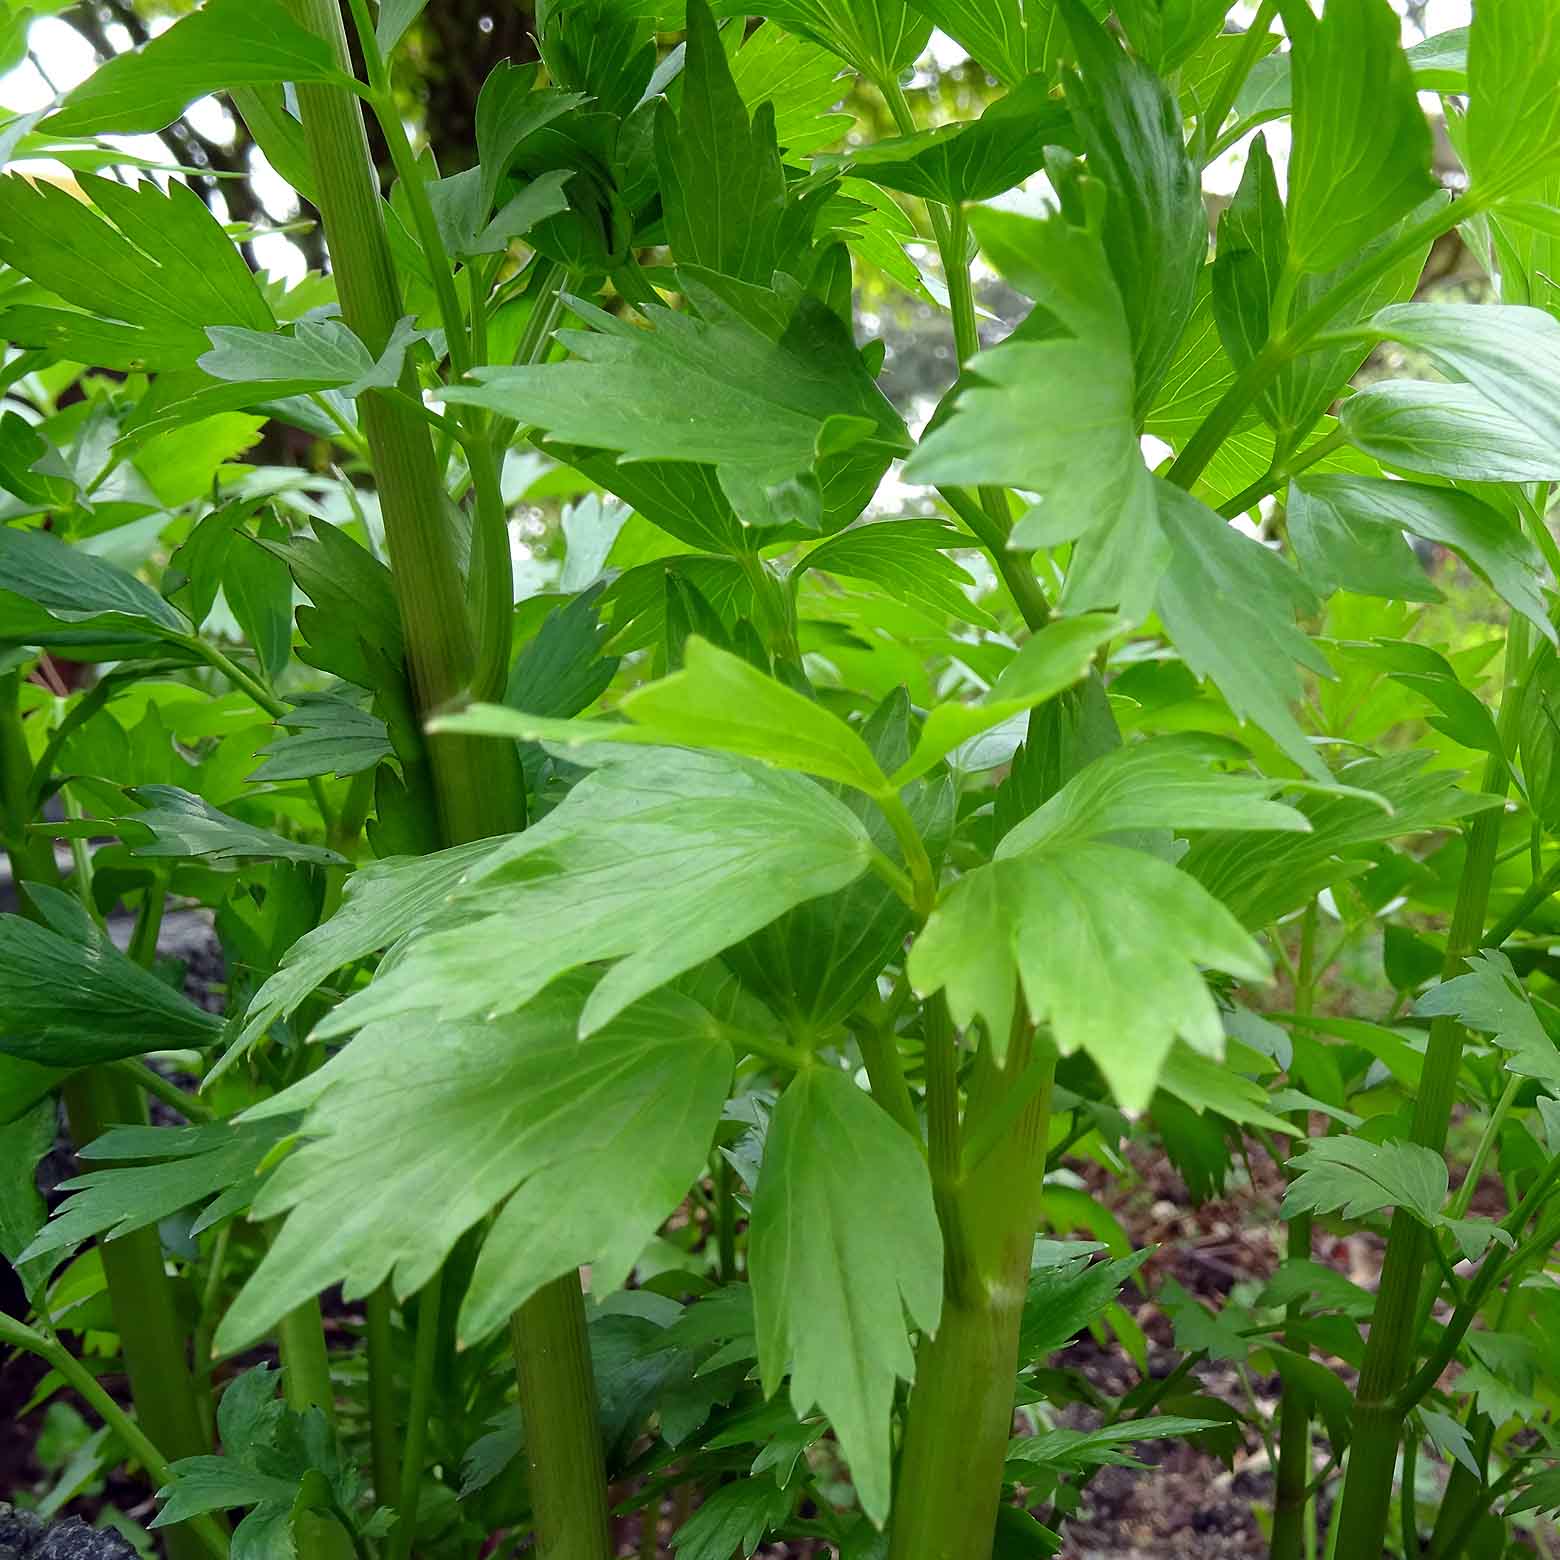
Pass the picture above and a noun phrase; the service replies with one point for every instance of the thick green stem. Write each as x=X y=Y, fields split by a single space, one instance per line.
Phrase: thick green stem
x=886 y=1074
x=1389 y=1353
x=381 y=1395
x=478 y=784
x=151 y=1336
x=404 y=1539
x=558 y=1401
x=306 y=1385
x=1292 y=1481
x=961 y=1407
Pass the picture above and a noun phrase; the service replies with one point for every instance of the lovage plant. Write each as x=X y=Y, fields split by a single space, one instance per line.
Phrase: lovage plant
x=767 y=904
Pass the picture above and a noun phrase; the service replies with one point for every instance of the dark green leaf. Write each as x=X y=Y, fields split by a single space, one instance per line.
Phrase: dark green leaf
x=1067 y=1292
x=75 y=1003
x=23 y=1142
x=259 y=590
x=327 y=736
x=73 y=586
x=1107 y=1446
x=733 y=1520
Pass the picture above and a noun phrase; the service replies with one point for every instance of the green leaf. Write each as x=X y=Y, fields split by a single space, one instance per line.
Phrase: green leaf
x=654 y=863
x=1228 y=605
x=327 y=736
x=723 y=188
x=1166 y=33
x=1509 y=353
x=1491 y=997
x=1361 y=151
x=774 y=391
x=879 y=38
x=74 y=1003
x=1347 y=532
x=151 y=272
x=1055 y=416
x=202 y=1484
x=382 y=903
x=1107 y=944
x=510 y=110
x=182 y=825
x=908 y=559
x=226 y=43
x=588 y=1145
x=165 y=1170
x=1047 y=662
x=1066 y=1292
x=1011 y=38
x=1446 y=431
x=1105 y=1447
x=1205 y=1085
x=717 y=702
x=733 y=1520
x=395 y=16
x=1252 y=253
x=1356 y=1177
x=970 y=160
x=1155 y=229
x=23 y=1142
x=259 y=591
x=801 y=79
x=73 y=586
x=1513 y=119
x=838 y=1171
x=1165 y=783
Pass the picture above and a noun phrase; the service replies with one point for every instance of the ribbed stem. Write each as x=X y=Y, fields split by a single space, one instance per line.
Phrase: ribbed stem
x=479 y=787
x=1294 y=1434
x=1389 y=1352
x=150 y=1334
x=381 y=1394
x=558 y=1401
x=961 y=1406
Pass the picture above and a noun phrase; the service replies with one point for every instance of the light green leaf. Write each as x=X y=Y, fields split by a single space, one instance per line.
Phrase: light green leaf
x=801 y=79
x=969 y=160
x=1204 y=1084
x=1356 y=1177
x=182 y=825
x=591 y=1142
x=1047 y=662
x=1452 y=1439
x=879 y=38
x=395 y=16
x=773 y=391
x=1228 y=605
x=1509 y=353
x=1107 y=1446
x=717 y=702
x=1361 y=151
x=1166 y=783
x=1491 y=997
x=72 y=586
x=654 y=863
x=838 y=1170
x=69 y=1003
x=226 y=43
x=907 y=558
x=1253 y=251
x=1347 y=532
x=1446 y=431
x=165 y=1170
x=1011 y=38
x=150 y=278
x=1054 y=416
x=1106 y=943
x=1440 y=62
x=1513 y=129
